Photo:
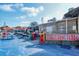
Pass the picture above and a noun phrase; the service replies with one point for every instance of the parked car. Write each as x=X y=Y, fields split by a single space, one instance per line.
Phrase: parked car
x=4 y=35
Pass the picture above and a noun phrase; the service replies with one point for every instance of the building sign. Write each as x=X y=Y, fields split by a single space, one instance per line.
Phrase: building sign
x=70 y=37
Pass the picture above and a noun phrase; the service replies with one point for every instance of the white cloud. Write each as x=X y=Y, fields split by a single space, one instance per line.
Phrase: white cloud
x=7 y=7
x=19 y=5
x=46 y=18
x=23 y=17
x=59 y=14
x=24 y=20
x=41 y=8
x=32 y=10
x=24 y=23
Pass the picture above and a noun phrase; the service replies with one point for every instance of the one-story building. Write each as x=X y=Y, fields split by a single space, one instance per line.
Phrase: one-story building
x=69 y=25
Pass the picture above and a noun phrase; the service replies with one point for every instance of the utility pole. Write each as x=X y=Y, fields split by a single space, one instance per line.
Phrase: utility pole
x=42 y=24
x=42 y=20
x=4 y=24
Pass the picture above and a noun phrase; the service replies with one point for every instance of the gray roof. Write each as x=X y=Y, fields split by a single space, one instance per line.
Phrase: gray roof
x=51 y=23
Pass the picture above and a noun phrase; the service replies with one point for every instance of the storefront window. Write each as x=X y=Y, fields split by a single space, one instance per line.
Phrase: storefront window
x=49 y=29
x=61 y=29
x=74 y=27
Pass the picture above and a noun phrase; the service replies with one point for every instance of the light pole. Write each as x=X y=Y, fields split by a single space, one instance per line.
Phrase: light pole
x=42 y=23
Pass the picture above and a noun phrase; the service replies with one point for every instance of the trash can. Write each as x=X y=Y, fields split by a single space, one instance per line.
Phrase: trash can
x=42 y=38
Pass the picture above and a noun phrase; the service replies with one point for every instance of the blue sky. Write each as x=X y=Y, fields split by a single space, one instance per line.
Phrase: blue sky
x=21 y=14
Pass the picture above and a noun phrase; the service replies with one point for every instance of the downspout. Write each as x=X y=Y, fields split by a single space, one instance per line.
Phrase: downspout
x=78 y=24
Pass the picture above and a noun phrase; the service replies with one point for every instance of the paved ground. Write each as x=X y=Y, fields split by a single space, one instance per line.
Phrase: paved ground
x=19 y=47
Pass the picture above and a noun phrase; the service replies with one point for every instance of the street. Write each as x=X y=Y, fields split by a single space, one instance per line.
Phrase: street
x=20 y=47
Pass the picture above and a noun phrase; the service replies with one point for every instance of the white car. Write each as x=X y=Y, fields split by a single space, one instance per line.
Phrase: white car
x=5 y=36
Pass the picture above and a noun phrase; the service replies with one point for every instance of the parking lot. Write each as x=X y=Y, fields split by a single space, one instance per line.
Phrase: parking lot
x=22 y=47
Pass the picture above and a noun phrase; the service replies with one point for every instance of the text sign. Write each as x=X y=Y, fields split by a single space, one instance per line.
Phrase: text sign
x=69 y=37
